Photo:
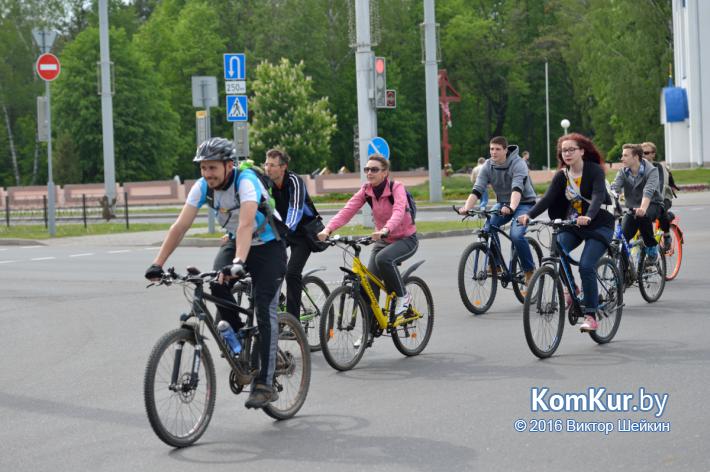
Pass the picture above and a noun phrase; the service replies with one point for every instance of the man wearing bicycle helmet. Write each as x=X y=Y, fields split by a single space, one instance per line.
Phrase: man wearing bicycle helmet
x=237 y=196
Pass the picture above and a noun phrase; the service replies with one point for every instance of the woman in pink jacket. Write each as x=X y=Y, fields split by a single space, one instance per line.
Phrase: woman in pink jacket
x=395 y=233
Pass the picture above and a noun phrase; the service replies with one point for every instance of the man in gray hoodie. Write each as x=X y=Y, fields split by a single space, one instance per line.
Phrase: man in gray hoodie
x=508 y=174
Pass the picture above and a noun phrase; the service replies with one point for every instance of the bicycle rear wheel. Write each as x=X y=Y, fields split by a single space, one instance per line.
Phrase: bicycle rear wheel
x=344 y=328
x=478 y=280
x=674 y=253
x=543 y=312
x=179 y=407
x=652 y=277
x=517 y=271
x=315 y=292
x=292 y=376
x=412 y=337
x=611 y=301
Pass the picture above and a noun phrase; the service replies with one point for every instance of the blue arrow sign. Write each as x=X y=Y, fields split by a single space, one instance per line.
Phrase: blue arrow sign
x=235 y=67
x=379 y=146
x=237 y=109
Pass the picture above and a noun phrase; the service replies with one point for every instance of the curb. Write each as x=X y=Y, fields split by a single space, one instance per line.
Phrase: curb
x=21 y=242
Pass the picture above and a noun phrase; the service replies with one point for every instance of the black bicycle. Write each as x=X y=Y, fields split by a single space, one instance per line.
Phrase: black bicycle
x=179 y=383
x=482 y=266
x=544 y=307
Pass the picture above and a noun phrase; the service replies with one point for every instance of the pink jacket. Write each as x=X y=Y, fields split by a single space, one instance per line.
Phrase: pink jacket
x=394 y=217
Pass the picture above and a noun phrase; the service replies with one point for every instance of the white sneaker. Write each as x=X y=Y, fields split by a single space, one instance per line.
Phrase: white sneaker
x=402 y=304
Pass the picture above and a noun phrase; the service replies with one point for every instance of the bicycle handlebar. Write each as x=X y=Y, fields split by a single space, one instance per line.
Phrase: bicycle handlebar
x=475 y=212
x=350 y=240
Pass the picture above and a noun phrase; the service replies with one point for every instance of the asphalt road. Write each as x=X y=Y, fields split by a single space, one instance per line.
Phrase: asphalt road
x=80 y=324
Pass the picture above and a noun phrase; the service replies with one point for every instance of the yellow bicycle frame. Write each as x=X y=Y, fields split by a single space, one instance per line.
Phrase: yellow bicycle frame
x=365 y=276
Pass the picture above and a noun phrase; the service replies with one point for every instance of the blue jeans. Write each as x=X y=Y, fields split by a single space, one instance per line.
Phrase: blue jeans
x=517 y=235
x=593 y=250
x=484 y=198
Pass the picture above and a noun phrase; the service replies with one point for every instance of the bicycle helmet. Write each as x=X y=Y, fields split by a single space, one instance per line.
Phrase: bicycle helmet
x=215 y=149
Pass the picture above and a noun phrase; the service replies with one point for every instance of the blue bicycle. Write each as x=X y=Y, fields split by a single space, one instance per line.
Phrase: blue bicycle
x=635 y=266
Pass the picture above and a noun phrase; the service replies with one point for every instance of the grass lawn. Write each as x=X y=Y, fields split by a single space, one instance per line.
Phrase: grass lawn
x=66 y=230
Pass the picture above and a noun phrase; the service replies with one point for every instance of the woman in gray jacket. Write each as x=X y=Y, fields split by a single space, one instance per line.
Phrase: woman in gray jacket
x=638 y=181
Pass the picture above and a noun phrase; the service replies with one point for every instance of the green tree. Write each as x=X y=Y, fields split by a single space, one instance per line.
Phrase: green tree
x=181 y=41
x=287 y=115
x=145 y=127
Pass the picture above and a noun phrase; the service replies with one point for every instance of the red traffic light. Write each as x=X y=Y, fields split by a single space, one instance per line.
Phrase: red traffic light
x=380 y=65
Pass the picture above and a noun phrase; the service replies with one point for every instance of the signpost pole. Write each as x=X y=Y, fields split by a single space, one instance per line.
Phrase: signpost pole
x=208 y=135
x=51 y=193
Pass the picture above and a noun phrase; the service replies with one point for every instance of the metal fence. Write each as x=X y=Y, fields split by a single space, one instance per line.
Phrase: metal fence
x=90 y=210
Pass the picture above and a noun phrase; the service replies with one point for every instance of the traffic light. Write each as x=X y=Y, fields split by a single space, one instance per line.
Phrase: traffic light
x=391 y=99
x=380 y=83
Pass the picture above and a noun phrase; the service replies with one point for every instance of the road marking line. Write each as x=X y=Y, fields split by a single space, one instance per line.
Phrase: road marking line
x=119 y=252
x=82 y=255
x=6 y=262
x=42 y=258
x=29 y=247
x=151 y=248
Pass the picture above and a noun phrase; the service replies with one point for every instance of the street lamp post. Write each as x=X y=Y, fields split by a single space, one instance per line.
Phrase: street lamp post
x=565 y=124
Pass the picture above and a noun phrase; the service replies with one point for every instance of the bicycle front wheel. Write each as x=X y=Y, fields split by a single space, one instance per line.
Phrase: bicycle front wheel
x=292 y=376
x=412 y=337
x=313 y=297
x=344 y=328
x=674 y=253
x=178 y=401
x=477 y=278
x=652 y=277
x=611 y=301
x=543 y=312
x=517 y=270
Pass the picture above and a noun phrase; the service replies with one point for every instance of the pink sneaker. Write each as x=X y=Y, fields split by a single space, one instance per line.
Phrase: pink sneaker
x=590 y=324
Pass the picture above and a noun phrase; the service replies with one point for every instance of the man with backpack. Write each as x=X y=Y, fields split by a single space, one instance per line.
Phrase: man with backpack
x=301 y=218
x=240 y=199
x=667 y=189
x=393 y=212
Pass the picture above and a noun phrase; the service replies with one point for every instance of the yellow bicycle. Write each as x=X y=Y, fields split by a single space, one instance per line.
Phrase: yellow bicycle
x=349 y=325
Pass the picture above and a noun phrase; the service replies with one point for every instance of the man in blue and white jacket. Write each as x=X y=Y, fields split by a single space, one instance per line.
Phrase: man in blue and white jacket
x=292 y=200
x=236 y=196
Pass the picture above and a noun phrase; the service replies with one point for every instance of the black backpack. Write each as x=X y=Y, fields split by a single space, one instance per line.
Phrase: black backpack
x=411 y=204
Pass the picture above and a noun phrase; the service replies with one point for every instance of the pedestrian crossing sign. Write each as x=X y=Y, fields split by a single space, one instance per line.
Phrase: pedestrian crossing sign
x=237 y=108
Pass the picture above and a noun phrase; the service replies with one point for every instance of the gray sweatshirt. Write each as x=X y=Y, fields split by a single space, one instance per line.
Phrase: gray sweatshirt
x=645 y=184
x=505 y=178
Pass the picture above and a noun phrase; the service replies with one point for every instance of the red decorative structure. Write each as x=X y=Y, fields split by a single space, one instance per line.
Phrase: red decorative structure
x=444 y=99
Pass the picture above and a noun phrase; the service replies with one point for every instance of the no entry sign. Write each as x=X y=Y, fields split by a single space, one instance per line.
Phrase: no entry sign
x=48 y=67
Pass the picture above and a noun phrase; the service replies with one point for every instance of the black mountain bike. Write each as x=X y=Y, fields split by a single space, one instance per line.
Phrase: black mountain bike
x=180 y=384
x=482 y=266
x=544 y=307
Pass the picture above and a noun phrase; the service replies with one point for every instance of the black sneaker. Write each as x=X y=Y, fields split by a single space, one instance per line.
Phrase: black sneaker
x=667 y=241
x=260 y=396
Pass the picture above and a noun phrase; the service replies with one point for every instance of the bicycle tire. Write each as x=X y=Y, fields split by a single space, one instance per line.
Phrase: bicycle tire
x=406 y=337
x=162 y=401
x=544 y=312
x=537 y=251
x=674 y=254
x=648 y=276
x=344 y=344
x=292 y=376
x=611 y=301
x=311 y=306
x=471 y=269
